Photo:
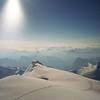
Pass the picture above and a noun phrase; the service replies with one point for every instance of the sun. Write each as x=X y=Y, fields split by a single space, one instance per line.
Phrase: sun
x=12 y=15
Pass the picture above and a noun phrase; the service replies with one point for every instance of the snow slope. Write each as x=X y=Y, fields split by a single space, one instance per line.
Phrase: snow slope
x=59 y=85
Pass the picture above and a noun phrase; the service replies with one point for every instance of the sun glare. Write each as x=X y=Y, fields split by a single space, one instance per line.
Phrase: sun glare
x=12 y=22
x=12 y=16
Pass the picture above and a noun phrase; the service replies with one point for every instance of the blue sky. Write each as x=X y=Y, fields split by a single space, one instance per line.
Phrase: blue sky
x=56 y=22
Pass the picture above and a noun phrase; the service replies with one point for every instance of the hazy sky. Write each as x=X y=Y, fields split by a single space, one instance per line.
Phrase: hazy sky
x=38 y=23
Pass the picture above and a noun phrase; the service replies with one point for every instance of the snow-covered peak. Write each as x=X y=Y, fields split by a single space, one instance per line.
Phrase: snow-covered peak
x=34 y=65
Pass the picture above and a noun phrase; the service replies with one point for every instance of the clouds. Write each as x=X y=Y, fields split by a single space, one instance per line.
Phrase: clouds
x=31 y=44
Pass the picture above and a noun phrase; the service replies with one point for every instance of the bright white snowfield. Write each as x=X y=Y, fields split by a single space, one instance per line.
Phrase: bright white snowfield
x=43 y=83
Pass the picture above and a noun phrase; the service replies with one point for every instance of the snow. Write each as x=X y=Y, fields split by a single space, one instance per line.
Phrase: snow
x=89 y=69
x=61 y=85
